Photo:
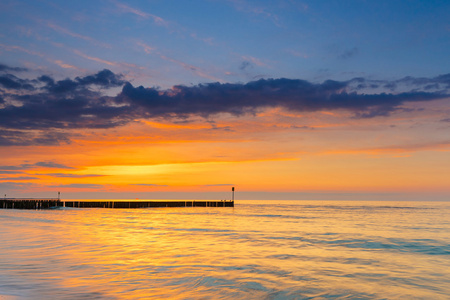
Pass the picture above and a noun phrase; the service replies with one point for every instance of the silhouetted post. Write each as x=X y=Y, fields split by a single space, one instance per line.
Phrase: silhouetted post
x=232 y=193
x=59 y=195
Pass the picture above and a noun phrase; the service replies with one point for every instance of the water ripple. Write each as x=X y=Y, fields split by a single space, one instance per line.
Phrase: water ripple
x=284 y=250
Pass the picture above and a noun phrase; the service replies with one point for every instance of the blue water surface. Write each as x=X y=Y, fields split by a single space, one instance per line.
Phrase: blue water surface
x=256 y=250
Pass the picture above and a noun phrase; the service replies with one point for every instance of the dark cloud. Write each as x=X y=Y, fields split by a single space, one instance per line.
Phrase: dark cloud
x=224 y=128
x=438 y=82
x=45 y=108
x=390 y=85
x=78 y=186
x=5 y=68
x=10 y=81
x=45 y=164
x=61 y=104
x=27 y=138
x=444 y=79
x=148 y=184
x=63 y=175
x=15 y=185
x=17 y=178
x=13 y=168
x=433 y=86
x=41 y=112
x=293 y=94
x=10 y=172
x=50 y=164
x=51 y=138
x=244 y=65
x=302 y=127
x=104 y=79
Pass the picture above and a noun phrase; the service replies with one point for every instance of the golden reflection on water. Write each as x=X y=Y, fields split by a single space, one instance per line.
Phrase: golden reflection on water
x=368 y=250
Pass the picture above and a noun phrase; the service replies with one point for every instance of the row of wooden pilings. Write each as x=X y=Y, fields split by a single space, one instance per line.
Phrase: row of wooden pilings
x=7 y=203
x=17 y=203
x=145 y=204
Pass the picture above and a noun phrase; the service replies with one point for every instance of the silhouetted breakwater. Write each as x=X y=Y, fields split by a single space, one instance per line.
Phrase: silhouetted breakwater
x=30 y=203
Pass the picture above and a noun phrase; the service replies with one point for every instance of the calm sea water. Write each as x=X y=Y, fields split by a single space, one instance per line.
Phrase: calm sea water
x=257 y=250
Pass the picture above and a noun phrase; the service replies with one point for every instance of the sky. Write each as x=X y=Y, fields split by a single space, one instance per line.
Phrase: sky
x=314 y=100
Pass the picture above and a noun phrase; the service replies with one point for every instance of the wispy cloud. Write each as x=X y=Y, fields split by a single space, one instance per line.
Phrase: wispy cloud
x=16 y=185
x=33 y=137
x=254 y=60
x=195 y=70
x=10 y=172
x=14 y=48
x=65 y=175
x=246 y=7
x=107 y=62
x=20 y=178
x=35 y=53
x=172 y=27
x=209 y=40
x=68 y=32
x=128 y=9
x=65 y=65
x=396 y=149
x=78 y=186
x=96 y=59
x=149 y=184
x=27 y=166
x=51 y=164
x=148 y=49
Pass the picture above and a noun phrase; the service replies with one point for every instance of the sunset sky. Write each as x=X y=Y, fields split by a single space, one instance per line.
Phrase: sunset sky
x=185 y=99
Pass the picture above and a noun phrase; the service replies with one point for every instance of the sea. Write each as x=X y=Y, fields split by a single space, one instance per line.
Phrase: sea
x=256 y=250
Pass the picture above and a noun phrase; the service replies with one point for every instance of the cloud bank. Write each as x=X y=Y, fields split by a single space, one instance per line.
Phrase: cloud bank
x=41 y=110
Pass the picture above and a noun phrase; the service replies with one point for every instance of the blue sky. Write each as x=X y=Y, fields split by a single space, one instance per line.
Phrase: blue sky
x=164 y=43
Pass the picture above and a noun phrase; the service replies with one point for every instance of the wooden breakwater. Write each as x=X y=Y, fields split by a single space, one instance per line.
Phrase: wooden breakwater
x=30 y=203
x=34 y=203
x=150 y=203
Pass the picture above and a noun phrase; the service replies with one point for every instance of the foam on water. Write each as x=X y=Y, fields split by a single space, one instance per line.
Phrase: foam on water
x=257 y=250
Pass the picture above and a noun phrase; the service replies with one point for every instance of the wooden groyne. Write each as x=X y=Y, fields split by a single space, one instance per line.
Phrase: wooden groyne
x=35 y=203
x=30 y=203
x=150 y=203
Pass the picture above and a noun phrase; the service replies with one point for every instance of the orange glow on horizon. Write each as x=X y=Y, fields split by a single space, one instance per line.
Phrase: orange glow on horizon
x=266 y=152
